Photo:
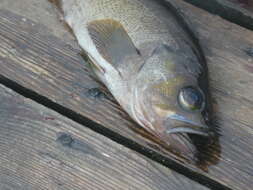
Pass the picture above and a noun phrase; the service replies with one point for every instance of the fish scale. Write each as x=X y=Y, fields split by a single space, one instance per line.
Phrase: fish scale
x=139 y=50
x=132 y=14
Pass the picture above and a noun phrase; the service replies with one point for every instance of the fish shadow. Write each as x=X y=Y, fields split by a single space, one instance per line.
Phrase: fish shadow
x=208 y=149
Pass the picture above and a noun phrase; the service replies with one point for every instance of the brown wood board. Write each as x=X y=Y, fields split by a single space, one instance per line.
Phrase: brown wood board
x=41 y=149
x=229 y=9
x=56 y=71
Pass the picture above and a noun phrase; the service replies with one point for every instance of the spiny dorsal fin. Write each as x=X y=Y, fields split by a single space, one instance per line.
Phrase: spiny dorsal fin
x=111 y=40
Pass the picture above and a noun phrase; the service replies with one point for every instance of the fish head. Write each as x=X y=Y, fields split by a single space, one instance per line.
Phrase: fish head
x=180 y=107
x=172 y=103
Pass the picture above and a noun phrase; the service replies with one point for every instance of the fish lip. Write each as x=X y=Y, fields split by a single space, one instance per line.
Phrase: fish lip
x=198 y=131
x=188 y=126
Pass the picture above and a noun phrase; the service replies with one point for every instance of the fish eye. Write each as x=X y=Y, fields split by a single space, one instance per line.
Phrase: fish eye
x=190 y=98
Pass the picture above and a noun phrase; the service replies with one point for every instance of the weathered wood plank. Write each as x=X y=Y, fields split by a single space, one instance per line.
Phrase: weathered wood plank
x=41 y=12
x=229 y=10
x=41 y=149
x=59 y=74
x=228 y=50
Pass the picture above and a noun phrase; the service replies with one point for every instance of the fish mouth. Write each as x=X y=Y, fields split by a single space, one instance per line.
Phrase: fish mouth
x=189 y=130
x=188 y=126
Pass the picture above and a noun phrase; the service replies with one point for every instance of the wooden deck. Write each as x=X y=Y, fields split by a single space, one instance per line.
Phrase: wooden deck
x=232 y=10
x=41 y=149
x=58 y=132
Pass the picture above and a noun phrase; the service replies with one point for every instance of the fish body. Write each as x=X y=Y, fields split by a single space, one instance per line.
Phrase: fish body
x=140 y=52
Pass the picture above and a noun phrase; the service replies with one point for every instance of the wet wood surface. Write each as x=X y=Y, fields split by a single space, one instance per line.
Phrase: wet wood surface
x=41 y=149
x=37 y=60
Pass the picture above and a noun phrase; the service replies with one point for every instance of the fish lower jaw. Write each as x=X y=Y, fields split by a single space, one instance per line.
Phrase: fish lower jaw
x=187 y=130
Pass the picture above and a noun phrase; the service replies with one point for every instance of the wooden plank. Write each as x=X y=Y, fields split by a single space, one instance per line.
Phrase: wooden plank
x=227 y=9
x=57 y=71
x=40 y=149
x=228 y=50
x=246 y=4
x=59 y=74
x=41 y=12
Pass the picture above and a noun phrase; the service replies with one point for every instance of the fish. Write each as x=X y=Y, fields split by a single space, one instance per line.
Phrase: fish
x=139 y=50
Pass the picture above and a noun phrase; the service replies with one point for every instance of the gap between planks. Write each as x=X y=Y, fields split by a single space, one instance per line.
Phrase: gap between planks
x=169 y=163
x=75 y=116
x=41 y=149
x=227 y=10
x=217 y=88
x=81 y=119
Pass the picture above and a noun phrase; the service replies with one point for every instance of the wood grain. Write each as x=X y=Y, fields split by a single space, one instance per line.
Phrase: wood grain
x=229 y=10
x=36 y=60
x=57 y=71
x=41 y=149
x=228 y=48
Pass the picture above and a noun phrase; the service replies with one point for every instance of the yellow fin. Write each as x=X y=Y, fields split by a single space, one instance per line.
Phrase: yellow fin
x=111 y=40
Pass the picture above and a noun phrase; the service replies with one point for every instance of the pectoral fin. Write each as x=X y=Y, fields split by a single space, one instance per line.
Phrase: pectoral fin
x=111 y=40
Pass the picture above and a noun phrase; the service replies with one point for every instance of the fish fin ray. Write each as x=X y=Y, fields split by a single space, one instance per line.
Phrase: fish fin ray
x=111 y=40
